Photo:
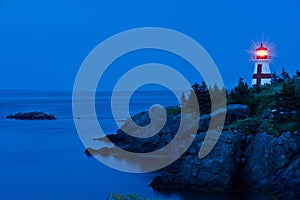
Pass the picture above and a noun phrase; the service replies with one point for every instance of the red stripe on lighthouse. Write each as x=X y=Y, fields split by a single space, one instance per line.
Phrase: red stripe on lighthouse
x=260 y=75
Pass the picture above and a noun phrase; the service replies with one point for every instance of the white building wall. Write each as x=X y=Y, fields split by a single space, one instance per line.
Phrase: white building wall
x=265 y=81
x=265 y=70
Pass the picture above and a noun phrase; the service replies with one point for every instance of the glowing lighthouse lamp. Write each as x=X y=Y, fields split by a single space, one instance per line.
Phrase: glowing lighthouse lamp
x=262 y=72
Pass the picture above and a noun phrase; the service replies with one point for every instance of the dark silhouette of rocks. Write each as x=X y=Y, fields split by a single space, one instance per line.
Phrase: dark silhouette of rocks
x=138 y=145
x=261 y=163
x=31 y=116
x=258 y=162
x=114 y=196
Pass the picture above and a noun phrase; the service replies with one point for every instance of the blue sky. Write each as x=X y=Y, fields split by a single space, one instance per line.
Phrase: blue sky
x=43 y=43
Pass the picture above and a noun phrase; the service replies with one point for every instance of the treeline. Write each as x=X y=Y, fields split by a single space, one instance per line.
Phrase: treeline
x=281 y=97
x=204 y=96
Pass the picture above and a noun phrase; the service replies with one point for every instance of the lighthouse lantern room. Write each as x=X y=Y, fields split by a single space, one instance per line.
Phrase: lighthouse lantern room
x=262 y=72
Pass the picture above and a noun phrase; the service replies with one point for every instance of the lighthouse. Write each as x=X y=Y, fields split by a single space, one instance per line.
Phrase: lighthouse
x=262 y=72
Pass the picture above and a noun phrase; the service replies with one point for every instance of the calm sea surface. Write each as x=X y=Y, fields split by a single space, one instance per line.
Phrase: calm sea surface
x=46 y=160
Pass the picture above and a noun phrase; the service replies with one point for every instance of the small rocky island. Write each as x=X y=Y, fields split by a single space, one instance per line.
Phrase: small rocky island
x=127 y=197
x=31 y=116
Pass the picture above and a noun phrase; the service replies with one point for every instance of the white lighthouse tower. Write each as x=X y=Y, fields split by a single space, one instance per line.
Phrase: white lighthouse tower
x=262 y=72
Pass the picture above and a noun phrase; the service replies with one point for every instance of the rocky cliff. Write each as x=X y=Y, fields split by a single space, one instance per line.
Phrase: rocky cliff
x=239 y=161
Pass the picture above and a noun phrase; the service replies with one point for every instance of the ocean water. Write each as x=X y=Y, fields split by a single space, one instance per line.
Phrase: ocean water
x=46 y=159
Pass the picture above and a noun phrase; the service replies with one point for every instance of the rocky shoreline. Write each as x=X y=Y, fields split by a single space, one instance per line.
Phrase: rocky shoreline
x=239 y=162
x=262 y=163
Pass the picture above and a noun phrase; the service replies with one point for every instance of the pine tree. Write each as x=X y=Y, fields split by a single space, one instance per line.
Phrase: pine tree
x=297 y=73
x=196 y=88
x=203 y=97
x=183 y=100
x=242 y=90
x=275 y=78
x=285 y=75
x=286 y=100
x=217 y=93
x=241 y=94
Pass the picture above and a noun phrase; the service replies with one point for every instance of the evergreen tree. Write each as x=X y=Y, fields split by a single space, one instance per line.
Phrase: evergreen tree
x=286 y=100
x=241 y=94
x=203 y=97
x=218 y=94
x=284 y=74
x=298 y=104
x=242 y=90
x=196 y=88
x=215 y=93
x=275 y=78
x=297 y=73
x=183 y=100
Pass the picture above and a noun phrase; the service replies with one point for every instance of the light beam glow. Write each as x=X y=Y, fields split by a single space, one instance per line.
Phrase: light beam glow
x=269 y=51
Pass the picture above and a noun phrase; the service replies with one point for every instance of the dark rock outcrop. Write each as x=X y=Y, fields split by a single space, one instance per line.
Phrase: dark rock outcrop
x=234 y=112
x=268 y=154
x=239 y=162
x=31 y=116
x=284 y=182
x=142 y=145
x=273 y=163
x=163 y=137
x=127 y=197
x=214 y=173
x=261 y=163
